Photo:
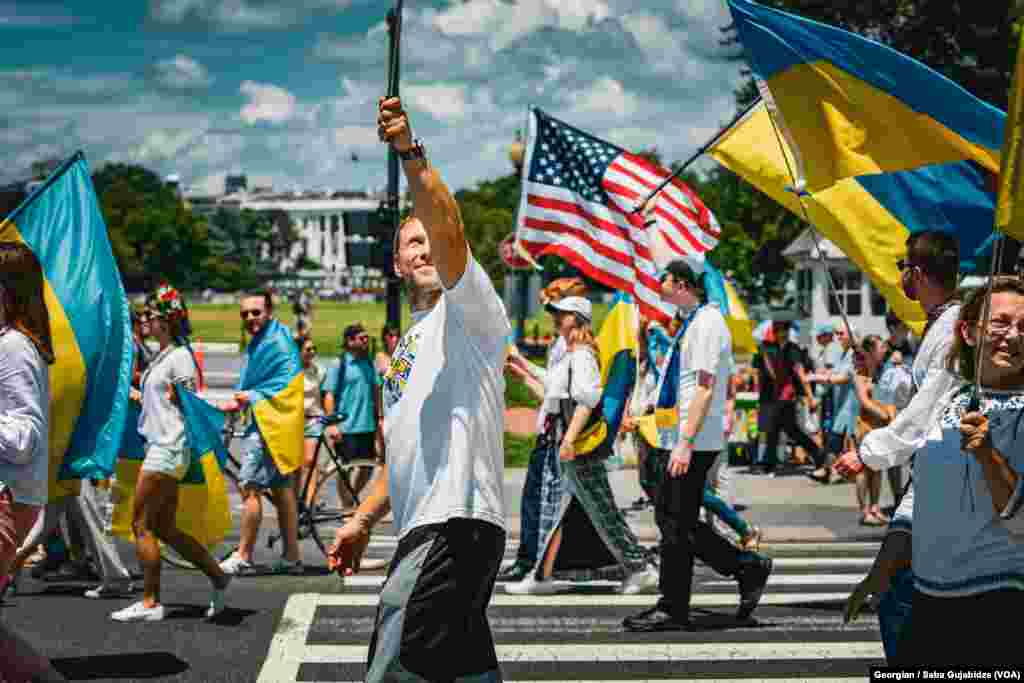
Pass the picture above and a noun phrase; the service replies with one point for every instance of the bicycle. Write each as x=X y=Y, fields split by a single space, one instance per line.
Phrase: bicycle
x=309 y=518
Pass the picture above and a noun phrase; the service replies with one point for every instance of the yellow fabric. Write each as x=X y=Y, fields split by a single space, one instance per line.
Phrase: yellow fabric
x=751 y=150
x=843 y=127
x=67 y=382
x=203 y=510
x=741 y=327
x=1009 y=215
x=618 y=333
x=281 y=420
x=660 y=420
x=591 y=438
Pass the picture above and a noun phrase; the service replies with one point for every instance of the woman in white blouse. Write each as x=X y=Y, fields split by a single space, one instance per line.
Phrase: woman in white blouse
x=586 y=493
x=26 y=352
x=166 y=463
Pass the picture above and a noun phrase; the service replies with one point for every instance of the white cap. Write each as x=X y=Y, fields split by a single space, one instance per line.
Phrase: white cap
x=573 y=304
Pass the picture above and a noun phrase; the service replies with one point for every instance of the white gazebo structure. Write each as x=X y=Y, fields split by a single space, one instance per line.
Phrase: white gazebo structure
x=811 y=296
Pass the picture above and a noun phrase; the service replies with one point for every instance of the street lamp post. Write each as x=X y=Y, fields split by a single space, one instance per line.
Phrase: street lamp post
x=515 y=155
x=394 y=285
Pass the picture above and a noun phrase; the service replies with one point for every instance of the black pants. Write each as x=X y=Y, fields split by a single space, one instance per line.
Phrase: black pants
x=684 y=536
x=974 y=630
x=432 y=619
x=776 y=417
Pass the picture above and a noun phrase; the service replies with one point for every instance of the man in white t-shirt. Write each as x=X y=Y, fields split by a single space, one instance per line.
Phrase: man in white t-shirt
x=705 y=363
x=444 y=411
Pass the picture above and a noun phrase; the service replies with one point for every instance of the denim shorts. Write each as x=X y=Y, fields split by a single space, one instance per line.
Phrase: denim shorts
x=258 y=469
x=170 y=461
x=314 y=428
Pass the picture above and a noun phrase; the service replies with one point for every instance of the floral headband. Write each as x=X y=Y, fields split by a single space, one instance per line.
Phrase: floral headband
x=167 y=303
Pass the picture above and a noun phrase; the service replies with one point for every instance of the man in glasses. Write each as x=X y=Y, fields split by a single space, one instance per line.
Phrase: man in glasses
x=259 y=471
x=352 y=392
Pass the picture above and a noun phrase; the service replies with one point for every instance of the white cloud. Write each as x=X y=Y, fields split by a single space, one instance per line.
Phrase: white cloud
x=160 y=145
x=606 y=95
x=356 y=136
x=442 y=101
x=239 y=15
x=504 y=22
x=266 y=103
x=633 y=138
x=181 y=72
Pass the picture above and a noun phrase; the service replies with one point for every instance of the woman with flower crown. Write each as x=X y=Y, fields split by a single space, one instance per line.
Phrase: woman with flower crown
x=167 y=460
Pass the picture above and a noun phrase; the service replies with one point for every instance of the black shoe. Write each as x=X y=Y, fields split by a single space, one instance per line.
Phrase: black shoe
x=655 y=619
x=517 y=572
x=752 y=577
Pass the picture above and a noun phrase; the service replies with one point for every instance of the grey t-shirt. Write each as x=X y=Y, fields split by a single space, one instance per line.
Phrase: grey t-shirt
x=161 y=422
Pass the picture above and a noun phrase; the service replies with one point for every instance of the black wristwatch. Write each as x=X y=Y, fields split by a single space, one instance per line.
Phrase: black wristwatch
x=415 y=152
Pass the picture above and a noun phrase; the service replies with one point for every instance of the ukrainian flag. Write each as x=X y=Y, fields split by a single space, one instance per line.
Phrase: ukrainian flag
x=273 y=375
x=1009 y=212
x=62 y=223
x=881 y=142
x=617 y=350
x=203 y=510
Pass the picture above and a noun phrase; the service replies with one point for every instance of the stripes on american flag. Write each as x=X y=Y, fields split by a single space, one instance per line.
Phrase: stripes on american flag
x=578 y=195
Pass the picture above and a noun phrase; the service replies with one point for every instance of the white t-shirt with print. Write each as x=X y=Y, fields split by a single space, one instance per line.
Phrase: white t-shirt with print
x=444 y=409
x=707 y=347
x=161 y=422
x=581 y=366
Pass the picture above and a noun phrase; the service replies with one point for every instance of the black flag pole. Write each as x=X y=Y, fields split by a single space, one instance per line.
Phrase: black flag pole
x=394 y=286
x=697 y=155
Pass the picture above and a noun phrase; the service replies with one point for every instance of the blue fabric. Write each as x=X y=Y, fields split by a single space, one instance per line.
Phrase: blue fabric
x=778 y=40
x=718 y=507
x=204 y=433
x=658 y=345
x=922 y=199
x=894 y=611
x=355 y=400
x=530 y=506
x=848 y=407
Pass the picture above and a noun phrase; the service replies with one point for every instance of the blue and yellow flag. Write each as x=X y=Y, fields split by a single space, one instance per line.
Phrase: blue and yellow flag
x=1010 y=205
x=203 y=510
x=273 y=375
x=880 y=145
x=62 y=223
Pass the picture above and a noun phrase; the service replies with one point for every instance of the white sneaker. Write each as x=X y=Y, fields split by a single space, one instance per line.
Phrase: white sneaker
x=139 y=612
x=217 y=600
x=639 y=582
x=104 y=591
x=531 y=585
x=235 y=565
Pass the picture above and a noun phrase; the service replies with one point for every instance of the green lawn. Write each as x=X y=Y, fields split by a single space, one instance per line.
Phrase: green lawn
x=220 y=322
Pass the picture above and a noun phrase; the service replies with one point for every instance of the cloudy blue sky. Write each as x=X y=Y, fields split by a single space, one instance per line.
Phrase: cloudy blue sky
x=285 y=91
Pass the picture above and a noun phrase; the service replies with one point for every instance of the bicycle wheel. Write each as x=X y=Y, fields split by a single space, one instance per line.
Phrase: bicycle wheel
x=321 y=520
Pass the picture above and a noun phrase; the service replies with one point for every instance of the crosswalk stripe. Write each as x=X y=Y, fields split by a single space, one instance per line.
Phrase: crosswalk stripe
x=821 y=562
x=799 y=580
x=670 y=652
x=582 y=600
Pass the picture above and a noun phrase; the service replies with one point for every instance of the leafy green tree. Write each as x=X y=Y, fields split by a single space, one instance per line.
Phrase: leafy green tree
x=153 y=235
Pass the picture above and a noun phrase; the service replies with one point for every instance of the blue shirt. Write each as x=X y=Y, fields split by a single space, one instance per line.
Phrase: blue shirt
x=355 y=398
x=848 y=407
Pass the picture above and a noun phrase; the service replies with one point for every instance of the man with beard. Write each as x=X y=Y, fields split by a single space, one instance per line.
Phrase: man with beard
x=928 y=275
x=444 y=410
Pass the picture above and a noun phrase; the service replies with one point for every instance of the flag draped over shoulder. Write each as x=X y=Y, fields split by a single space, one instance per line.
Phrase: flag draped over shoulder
x=578 y=195
x=203 y=510
x=273 y=374
x=1009 y=212
x=882 y=144
x=617 y=346
x=62 y=224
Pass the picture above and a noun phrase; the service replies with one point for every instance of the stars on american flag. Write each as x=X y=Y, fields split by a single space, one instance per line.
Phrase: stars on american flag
x=566 y=157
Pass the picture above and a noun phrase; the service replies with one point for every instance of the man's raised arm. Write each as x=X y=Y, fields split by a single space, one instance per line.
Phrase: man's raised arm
x=432 y=203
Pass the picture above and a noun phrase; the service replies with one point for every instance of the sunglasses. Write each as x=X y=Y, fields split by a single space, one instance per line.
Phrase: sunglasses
x=359 y=337
x=246 y=314
x=903 y=264
x=310 y=349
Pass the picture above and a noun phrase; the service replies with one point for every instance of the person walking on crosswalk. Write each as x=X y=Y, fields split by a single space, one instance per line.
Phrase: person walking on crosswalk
x=444 y=416
x=705 y=362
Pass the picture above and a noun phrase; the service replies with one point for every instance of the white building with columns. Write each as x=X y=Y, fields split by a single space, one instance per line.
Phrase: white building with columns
x=334 y=231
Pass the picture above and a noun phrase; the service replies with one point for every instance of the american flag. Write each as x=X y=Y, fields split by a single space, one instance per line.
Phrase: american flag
x=578 y=196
